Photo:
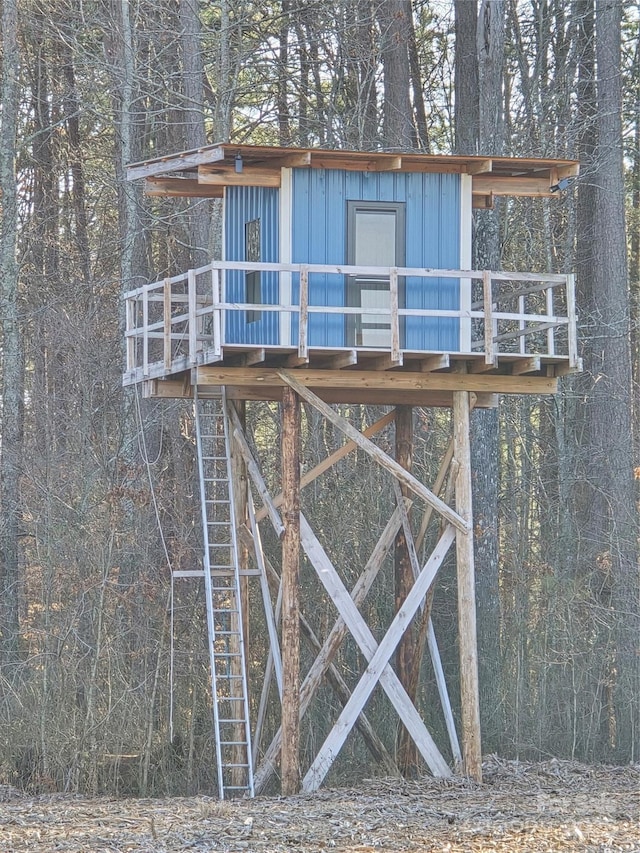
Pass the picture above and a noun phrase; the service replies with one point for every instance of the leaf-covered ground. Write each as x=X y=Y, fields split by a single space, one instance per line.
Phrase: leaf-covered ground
x=538 y=808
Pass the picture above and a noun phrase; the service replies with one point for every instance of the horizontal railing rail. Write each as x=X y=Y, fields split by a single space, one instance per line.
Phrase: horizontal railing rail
x=179 y=321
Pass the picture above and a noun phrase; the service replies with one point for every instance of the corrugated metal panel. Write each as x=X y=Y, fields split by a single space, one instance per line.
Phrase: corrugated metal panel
x=242 y=205
x=432 y=240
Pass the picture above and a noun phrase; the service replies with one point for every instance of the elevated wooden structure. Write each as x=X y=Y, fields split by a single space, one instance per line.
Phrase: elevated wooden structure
x=353 y=313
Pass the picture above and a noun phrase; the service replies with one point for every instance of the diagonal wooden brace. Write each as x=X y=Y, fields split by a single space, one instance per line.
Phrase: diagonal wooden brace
x=333 y=642
x=377 y=655
x=374 y=451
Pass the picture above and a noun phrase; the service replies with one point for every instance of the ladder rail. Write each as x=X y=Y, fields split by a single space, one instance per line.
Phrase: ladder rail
x=229 y=616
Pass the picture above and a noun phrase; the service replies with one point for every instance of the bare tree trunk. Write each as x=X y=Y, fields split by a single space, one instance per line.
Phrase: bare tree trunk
x=467 y=90
x=634 y=271
x=398 y=131
x=12 y=357
x=193 y=119
x=422 y=132
x=614 y=519
x=284 y=123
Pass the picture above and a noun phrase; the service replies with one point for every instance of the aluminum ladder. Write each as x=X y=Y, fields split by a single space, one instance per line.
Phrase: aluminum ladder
x=223 y=602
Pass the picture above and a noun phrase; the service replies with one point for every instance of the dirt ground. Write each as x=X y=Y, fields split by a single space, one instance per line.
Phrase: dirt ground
x=541 y=808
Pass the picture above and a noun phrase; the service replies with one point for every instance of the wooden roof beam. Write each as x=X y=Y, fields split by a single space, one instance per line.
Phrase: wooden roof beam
x=289 y=161
x=387 y=164
x=482 y=202
x=174 y=163
x=225 y=175
x=478 y=167
x=173 y=187
x=524 y=185
x=327 y=160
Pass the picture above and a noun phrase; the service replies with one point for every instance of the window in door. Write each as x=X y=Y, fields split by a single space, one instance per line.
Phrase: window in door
x=375 y=237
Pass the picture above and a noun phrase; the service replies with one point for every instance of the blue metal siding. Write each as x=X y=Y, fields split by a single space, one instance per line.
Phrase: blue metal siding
x=432 y=240
x=242 y=205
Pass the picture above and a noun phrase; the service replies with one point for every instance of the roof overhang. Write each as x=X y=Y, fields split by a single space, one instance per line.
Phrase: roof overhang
x=205 y=172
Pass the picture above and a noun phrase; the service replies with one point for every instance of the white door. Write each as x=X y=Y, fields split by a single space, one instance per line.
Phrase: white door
x=375 y=237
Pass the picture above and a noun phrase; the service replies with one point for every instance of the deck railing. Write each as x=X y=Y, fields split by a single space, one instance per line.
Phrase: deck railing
x=179 y=322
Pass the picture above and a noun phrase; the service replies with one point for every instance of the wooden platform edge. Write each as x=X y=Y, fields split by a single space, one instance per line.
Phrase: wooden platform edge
x=175 y=389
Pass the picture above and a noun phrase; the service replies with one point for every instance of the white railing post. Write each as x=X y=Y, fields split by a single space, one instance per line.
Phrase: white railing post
x=167 y=324
x=303 y=319
x=145 y=331
x=130 y=325
x=522 y=325
x=395 y=320
x=489 y=331
x=192 y=319
x=572 y=328
x=215 y=317
x=551 y=332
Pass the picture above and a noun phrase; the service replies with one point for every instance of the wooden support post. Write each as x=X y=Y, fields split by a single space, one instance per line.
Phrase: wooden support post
x=290 y=592
x=404 y=576
x=469 y=692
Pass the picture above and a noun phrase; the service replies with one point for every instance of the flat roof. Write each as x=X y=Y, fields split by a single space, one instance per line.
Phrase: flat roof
x=205 y=172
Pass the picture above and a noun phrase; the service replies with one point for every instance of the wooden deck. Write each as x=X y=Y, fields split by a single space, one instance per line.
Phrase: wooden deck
x=518 y=334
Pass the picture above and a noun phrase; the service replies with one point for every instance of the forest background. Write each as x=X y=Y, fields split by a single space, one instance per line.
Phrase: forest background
x=90 y=474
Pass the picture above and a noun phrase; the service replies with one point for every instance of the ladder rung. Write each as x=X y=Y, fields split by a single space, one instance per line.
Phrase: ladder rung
x=231 y=721
x=233 y=743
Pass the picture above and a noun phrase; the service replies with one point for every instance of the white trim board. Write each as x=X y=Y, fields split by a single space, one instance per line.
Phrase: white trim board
x=286 y=238
x=466 y=228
